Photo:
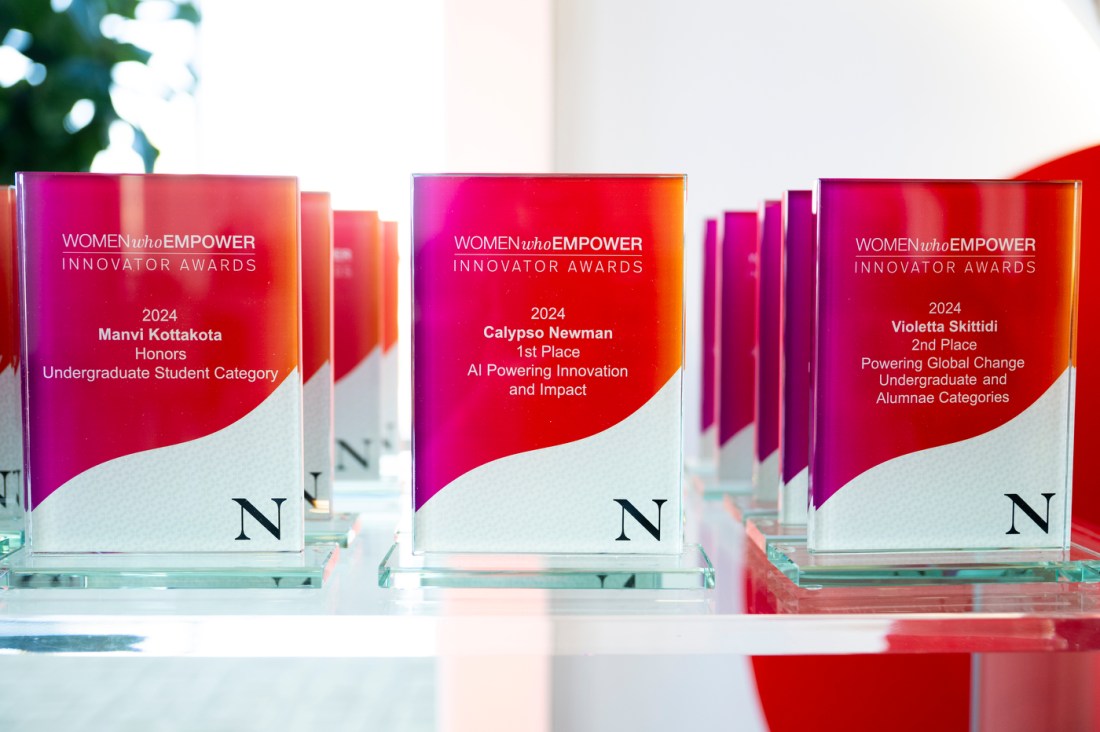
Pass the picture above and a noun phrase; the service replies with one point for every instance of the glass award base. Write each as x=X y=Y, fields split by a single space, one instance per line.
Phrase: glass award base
x=766 y=529
x=690 y=570
x=701 y=467
x=710 y=486
x=745 y=506
x=1010 y=566
x=11 y=535
x=339 y=528
x=387 y=485
x=273 y=570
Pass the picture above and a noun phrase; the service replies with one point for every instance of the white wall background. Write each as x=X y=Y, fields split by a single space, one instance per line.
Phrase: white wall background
x=747 y=98
x=346 y=95
x=499 y=71
x=354 y=97
x=751 y=98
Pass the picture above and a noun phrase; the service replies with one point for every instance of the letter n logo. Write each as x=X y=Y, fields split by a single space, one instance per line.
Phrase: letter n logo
x=312 y=499
x=1043 y=522
x=275 y=529
x=343 y=448
x=628 y=507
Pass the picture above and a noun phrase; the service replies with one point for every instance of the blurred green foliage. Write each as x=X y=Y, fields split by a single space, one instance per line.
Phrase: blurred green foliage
x=78 y=61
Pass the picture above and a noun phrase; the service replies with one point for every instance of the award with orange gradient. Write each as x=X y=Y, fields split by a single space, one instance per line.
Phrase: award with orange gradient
x=357 y=291
x=547 y=363
x=11 y=412
x=317 y=329
x=163 y=389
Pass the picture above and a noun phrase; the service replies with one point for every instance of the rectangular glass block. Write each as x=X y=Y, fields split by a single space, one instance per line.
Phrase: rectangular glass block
x=706 y=482
x=12 y=536
x=391 y=439
x=743 y=506
x=689 y=570
x=317 y=347
x=945 y=364
x=258 y=570
x=1006 y=566
x=163 y=384
x=764 y=530
x=548 y=363
x=736 y=367
x=708 y=420
x=357 y=356
x=796 y=351
x=340 y=528
x=769 y=305
x=968 y=609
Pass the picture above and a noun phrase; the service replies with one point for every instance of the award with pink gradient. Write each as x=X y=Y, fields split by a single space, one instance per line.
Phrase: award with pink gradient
x=11 y=412
x=162 y=378
x=784 y=520
x=547 y=363
x=944 y=370
x=736 y=366
x=708 y=412
x=769 y=258
x=796 y=340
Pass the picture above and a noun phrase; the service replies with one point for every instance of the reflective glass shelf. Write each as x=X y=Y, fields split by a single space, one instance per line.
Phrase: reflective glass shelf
x=753 y=609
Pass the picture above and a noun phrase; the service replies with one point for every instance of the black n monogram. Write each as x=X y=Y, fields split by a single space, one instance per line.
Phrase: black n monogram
x=274 y=528
x=645 y=523
x=1043 y=522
